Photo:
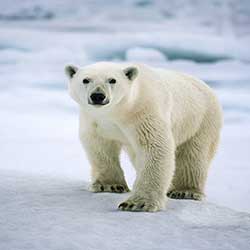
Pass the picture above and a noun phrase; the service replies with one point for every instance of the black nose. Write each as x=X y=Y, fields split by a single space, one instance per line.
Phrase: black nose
x=97 y=98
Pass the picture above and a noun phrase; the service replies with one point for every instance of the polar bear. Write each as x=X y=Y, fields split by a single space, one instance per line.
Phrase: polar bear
x=168 y=122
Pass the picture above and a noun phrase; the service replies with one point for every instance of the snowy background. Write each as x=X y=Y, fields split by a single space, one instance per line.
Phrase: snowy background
x=43 y=170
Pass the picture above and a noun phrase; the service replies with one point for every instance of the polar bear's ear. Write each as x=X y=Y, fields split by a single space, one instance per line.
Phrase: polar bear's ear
x=70 y=70
x=131 y=72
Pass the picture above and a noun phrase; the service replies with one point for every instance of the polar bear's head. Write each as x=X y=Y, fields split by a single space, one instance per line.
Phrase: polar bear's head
x=101 y=85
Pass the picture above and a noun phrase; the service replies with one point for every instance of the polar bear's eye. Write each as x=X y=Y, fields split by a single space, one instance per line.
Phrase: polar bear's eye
x=112 y=81
x=85 y=80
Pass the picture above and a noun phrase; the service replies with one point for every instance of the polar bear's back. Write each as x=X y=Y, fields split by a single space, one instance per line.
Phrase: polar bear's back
x=184 y=84
x=187 y=89
x=192 y=101
x=179 y=84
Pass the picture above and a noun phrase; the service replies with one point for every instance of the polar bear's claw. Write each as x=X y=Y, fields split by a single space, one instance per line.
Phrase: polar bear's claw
x=185 y=194
x=138 y=206
x=113 y=188
x=129 y=206
x=123 y=205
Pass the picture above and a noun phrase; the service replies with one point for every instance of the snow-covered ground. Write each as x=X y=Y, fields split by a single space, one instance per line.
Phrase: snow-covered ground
x=43 y=169
x=45 y=213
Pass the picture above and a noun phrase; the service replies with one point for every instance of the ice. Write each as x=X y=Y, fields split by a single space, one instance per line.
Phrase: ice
x=145 y=55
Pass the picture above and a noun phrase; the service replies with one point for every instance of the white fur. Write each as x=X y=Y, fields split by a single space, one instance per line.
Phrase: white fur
x=168 y=122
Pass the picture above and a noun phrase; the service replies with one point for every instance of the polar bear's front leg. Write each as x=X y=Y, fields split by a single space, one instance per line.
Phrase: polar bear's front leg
x=103 y=154
x=154 y=166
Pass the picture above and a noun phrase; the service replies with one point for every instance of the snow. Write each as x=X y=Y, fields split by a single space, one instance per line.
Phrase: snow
x=44 y=172
x=63 y=214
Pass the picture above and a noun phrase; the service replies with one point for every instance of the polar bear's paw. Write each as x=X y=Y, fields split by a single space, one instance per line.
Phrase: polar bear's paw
x=112 y=188
x=185 y=194
x=139 y=204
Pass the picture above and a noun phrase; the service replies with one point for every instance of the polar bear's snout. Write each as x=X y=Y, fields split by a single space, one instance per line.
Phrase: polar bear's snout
x=98 y=97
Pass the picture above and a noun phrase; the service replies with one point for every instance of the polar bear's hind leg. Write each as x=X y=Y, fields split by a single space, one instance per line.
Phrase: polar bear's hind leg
x=192 y=163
